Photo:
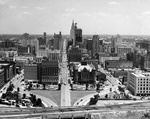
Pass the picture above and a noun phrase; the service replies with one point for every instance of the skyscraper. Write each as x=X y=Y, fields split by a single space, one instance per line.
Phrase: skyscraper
x=75 y=34
x=57 y=43
x=95 y=45
x=44 y=35
x=72 y=32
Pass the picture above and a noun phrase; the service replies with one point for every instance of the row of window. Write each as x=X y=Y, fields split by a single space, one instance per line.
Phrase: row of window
x=143 y=85
x=50 y=80
x=143 y=88
x=144 y=79
x=143 y=91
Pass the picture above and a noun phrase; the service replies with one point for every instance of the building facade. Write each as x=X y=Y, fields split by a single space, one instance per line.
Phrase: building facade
x=75 y=34
x=2 y=81
x=118 y=64
x=57 y=41
x=139 y=83
x=74 y=54
x=102 y=59
x=9 y=70
x=30 y=72
x=95 y=45
x=54 y=55
x=84 y=74
x=49 y=72
x=123 y=51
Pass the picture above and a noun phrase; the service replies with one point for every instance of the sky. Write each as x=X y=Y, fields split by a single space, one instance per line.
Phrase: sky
x=124 y=17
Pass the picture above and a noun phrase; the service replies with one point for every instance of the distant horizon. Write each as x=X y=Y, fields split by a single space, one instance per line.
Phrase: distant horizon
x=82 y=34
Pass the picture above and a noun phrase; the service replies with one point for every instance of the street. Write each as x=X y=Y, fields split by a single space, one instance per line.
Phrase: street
x=65 y=87
x=17 y=83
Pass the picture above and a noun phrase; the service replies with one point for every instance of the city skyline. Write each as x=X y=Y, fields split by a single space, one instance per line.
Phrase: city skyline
x=130 y=17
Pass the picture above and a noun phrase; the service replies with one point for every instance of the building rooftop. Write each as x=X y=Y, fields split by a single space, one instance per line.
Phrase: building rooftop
x=140 y=74
x=88 y=67
x=4 y=64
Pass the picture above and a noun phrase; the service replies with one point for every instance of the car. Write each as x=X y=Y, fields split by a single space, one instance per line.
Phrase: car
x=22 y=80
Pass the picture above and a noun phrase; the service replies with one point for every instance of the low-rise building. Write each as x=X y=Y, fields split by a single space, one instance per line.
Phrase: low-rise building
x=84 y=73
x=38 y=59
x=123 y=50
x=118 y=64
x=24 y=58
x=9 y=70
x=102 y=59
x=49 y=72
x=139 y=83
x=41 y=53
x=92 y=61
x=30 y=71
x=53 y=55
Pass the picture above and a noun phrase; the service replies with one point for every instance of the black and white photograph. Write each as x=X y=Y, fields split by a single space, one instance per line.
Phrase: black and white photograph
x=74 y=59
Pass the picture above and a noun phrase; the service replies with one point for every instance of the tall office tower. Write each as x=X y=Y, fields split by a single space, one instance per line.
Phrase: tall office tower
x=44 y=37
x=42 y=41
x=95 y=45
x=6 y=43
x=57 y=41
x=78 y=35
x=24 y=41
x=72 y=32
x=51 y=44
x=35 y=43
x=75 y=34
x=25 y=36
x=74 y=54
x=49 y=72
x=115 y=43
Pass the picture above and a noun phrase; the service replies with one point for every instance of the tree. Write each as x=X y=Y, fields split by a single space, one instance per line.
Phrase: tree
x=87 y=85
x=110 y=89
x=16 y=95
x=44 y=86
x=120 y=89
x=10 y=87
x=39 y=102
x=24 y=96
x=9 y=95
x=37 y=85
x=106 y=96
x=71 y=85
x=18 y=89
x=3 y=95
x=59 y=86
x=29 y=88
x=94 y=100
x=97 y=86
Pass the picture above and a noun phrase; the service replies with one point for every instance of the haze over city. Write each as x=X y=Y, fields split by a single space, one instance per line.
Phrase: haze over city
x=125 y=17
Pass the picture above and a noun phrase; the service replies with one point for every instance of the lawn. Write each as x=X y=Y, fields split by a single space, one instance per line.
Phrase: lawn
x=75 y=95
x=54 y=95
